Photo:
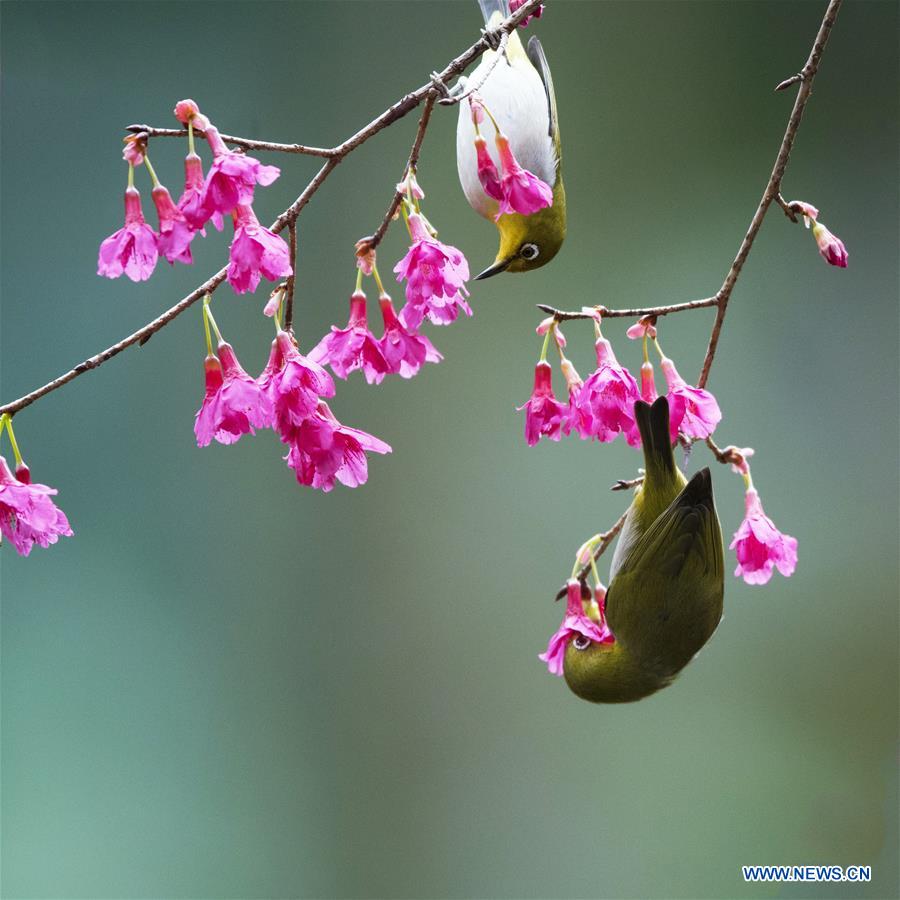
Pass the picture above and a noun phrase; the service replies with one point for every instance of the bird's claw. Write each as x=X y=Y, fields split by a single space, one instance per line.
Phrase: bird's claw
x=492 y=37
x=438 y=84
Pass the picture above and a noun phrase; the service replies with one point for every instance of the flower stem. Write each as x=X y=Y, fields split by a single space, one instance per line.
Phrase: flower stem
x=12 y=439
x=130 y=175
x=646 y=354
x=550 y=331
x=359 y=276
x=382 y=292
x=748 y=479
x=210 y=319
x=191 y=136
x=151 y=170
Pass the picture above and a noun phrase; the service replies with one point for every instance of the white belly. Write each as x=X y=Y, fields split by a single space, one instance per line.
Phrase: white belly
x=515 y=96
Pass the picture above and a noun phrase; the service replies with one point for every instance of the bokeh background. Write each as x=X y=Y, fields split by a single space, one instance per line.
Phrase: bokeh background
x=227 y=685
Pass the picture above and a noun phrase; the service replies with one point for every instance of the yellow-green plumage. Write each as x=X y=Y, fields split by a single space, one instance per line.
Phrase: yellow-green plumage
x=665 y=595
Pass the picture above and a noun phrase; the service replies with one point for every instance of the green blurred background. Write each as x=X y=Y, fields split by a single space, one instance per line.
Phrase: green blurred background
x=227 y=685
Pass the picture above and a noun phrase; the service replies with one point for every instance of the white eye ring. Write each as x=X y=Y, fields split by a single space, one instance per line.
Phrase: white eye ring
x=580 y=642
x=530 y=251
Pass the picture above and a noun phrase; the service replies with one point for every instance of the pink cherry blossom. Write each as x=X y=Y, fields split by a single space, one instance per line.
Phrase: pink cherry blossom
x=515 y=4
x=544 y=414
x=323 y=450
x=831 y=247
x=133 y=248
x=191 y=200
x=487 y=171
x=700 y=411
x=234 y=403
x=405 y=350
x=760 y=547
x=27 y=514
x=232 y=176
x=677 y=404
x=604 y=407
x=575 y=622
x=353 y=347
x=175 y=234
x=255 y=251
x=294 y=384
x=435 y=276
x=521 y=191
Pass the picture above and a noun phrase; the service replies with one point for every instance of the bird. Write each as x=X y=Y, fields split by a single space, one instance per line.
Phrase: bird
x=667 y=581
x=517 y=92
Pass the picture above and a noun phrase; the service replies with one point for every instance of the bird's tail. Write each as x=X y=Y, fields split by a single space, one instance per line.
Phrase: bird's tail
x=653 y=424
x=490 y=7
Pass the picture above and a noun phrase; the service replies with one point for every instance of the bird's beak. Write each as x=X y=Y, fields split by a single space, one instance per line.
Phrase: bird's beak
x=499 y=266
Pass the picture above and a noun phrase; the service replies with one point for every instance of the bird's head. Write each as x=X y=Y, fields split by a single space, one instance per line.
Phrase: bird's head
x=529 y=242
x=606 y=673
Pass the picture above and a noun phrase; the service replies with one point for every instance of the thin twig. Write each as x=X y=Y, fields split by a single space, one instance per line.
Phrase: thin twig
x=246 y=143
x=334 y=156
x=289 y=284
x=479 y=84
x=605 y=540
x=623 y=485
x=562 y=315
x=807 y=74
x=373 y=241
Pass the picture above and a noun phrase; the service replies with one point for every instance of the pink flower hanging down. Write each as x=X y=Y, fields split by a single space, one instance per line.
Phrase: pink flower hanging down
x=574 y=623
x=232 y=176
x=699 y=410
x=323 y=450
x=191 y=200
x=133 y=248
x=175 y=234
x=521 y=191
x=294 y=384
x=544 y=414
x=604 y=406
x=405 y=350
x=353 y=347
x=234 y=403
x=27 y=514
x=760 y=547
x=487 y=171
x=255 y=251
x=831 y=247
x=435 y=276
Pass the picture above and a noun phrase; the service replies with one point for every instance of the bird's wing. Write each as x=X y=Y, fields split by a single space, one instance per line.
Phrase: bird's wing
x=539 y=60
x=686 y=533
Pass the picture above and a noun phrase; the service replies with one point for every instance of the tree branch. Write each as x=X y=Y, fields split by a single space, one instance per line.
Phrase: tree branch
x=807 y=74
x=605 y=540
x=374 y=240
x=562 y=315
x=334 y=156
x=246 y=143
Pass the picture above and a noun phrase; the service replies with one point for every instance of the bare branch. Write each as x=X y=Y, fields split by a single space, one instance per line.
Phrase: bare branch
x=373 y=241
x=807 y=74
x=565 y=316
x=289 y=284
x=246 y=143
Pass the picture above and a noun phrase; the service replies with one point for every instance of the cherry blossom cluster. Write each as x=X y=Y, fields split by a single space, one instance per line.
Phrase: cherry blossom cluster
x=227 y=189
x=515 y=189
x=601 y=407
x=290 y=395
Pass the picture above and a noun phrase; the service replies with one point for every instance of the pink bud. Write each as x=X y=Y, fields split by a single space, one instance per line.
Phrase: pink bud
x=831 y=247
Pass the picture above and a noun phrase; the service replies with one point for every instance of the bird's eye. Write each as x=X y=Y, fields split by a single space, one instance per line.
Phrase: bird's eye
x=530 y=251
x=581 y=642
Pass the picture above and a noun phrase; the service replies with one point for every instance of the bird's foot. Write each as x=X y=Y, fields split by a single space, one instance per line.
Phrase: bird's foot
x=492 y=38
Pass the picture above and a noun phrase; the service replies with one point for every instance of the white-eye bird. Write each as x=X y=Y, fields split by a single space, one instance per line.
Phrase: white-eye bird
x=666 y=580
x=518 y=95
